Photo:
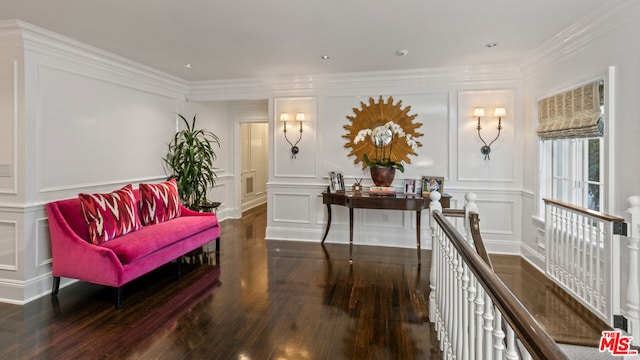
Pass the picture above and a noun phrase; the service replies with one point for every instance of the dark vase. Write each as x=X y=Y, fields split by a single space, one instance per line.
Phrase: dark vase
x=383 y=176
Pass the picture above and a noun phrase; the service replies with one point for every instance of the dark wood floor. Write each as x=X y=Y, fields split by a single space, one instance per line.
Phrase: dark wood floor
x=264 y=300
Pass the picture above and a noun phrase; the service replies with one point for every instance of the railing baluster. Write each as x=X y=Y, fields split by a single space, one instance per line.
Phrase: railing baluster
x=633 y=290
x=480 y=296
x=475 y=316
x=464 y=310
x=585 y=264
x=511 y=353
x=563 y=247
x=471 y=325
x=434 y=206
x=498 y=335
x=572 y=233
x=581 y=252
x=469 y=206
x=592 y=264
x=596 y=282
x=450 y=295
x=488 y=327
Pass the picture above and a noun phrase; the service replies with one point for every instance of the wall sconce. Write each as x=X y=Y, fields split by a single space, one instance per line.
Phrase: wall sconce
x=300 y=117
x=478 y=112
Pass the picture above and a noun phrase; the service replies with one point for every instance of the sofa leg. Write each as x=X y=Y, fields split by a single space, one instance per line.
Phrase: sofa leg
x=56 y=286
x=119 y=297
x=218 y=244
x=178 y=262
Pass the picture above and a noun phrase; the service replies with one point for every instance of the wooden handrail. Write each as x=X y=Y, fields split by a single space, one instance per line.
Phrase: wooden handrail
x=453 y=212
x=534 y=338
x=474 y=222
x=593 y=213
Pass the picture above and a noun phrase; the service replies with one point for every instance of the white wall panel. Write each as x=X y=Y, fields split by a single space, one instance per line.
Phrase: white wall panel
x=9 y=247
x=471 y=163
x=9 y=125
x=297 y=209
x=433 y=157
x=43 y=243
x=375 y=219
x=93 y=131
x=504 y=224
x=304 y=163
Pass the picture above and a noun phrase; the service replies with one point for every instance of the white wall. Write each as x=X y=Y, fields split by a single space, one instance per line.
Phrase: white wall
x=607 y=50
x=74 y=119
x=442 y=98
x=450 y=148
x=571 y=59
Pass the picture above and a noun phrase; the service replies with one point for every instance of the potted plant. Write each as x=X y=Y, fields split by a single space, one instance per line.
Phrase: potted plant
x=383 y=166
x=382 y=135
x=190 y=158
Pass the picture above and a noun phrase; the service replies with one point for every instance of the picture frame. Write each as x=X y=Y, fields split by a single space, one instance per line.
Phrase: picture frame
x=336 y=181
x=432 y=183
x=410 y=186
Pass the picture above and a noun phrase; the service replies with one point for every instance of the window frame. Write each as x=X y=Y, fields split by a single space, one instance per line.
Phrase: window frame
x=578 y=183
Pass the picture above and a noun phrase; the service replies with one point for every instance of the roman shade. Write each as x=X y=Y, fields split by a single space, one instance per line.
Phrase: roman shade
x=572 y=114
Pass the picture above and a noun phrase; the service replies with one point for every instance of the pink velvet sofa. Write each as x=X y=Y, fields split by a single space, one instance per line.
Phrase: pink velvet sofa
x=125 y=258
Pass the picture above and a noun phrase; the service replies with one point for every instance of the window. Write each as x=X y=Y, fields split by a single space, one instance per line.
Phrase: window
x=572 y=169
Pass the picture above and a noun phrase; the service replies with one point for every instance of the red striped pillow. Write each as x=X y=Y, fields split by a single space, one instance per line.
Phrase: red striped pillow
x=110 y=215
x=159 y=202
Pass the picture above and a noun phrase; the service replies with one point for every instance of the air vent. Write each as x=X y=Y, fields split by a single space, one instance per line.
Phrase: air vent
x=248 y=186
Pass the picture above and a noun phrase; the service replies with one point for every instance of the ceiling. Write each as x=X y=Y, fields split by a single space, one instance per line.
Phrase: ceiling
x=231 y=39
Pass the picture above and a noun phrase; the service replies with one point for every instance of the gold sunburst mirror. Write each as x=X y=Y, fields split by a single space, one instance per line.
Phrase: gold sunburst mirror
x=382 y=134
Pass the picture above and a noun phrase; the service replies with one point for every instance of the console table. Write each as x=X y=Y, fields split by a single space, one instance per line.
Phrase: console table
x=415 y=203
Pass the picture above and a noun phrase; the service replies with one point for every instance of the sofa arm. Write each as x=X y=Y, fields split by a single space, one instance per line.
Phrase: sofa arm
x=188 y=212
x=73 y=257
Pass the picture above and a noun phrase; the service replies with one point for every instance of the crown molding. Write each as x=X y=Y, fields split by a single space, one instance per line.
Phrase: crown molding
x=36 y=39
x=603 y=20
x=308 y=84
x=10 y=34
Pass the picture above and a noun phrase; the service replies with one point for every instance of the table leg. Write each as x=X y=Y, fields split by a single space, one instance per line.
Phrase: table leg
x=326 y=231
x=350 y=235
x=418 y=214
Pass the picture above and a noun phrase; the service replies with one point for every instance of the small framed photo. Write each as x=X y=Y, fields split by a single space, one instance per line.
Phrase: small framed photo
x=410 y=186
x=337 y=181
x=432 y=183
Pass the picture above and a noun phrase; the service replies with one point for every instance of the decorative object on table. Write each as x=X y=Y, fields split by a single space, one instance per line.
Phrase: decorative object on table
x=382 y=190
x=382 y=136
x=499 y=112
x=357 y=187
x=190 y=159
x=336 y=181
x=409 y=186
x=300 y=117
x=432 y=183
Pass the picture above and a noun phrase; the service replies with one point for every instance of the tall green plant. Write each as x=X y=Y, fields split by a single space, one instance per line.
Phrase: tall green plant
x=190 y=159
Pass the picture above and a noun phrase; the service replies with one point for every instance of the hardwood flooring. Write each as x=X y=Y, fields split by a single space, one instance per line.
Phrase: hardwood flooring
x=259 y=300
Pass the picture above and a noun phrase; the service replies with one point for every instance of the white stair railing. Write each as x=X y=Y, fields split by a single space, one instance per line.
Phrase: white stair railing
x=582 y=256
x=468 y=303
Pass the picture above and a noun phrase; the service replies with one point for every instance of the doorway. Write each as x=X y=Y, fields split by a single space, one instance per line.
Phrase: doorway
x=254 y=167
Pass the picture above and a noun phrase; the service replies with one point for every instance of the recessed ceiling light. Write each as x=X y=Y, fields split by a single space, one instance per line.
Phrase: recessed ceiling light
x=492 y=44
x=187 y=65
x=325 y=57
x=402 y=52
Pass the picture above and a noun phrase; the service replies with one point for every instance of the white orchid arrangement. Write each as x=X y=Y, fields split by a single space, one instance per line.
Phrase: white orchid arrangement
x=382 y=137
